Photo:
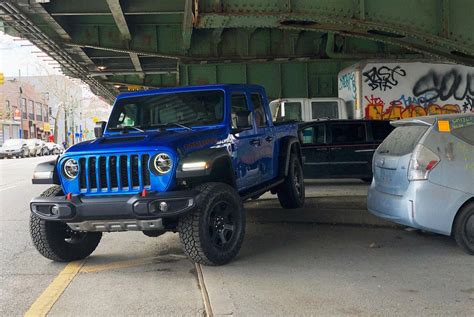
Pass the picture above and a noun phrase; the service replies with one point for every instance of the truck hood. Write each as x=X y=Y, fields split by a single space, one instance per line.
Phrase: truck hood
x=184 y=141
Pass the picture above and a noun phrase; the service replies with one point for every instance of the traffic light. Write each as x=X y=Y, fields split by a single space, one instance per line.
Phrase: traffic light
x=2 y=79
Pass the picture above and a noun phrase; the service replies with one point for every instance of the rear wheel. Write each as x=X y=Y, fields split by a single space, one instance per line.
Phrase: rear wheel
x=214 y=232
x=464 y=228
x=56 y=241
x=292 y=192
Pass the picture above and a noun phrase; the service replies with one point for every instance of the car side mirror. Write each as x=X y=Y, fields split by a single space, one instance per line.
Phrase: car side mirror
x=99 y=129
x=243 y=120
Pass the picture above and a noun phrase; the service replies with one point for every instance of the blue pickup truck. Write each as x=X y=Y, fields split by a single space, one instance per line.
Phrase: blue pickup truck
x=180 y=159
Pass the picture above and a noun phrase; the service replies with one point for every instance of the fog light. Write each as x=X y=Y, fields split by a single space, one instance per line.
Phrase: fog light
x=54 y=210
x=163 y=206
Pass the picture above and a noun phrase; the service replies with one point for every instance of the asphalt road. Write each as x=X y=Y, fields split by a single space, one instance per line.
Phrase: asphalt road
x=289 y=265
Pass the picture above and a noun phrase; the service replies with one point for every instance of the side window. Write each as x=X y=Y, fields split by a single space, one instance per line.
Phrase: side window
x=293 y=111
x=348 y=133
x=314 y=135
x=465 y=133
x=239 y=105
x=128 y=116
x=324 y=109
x=259 y=110
x=380 y=130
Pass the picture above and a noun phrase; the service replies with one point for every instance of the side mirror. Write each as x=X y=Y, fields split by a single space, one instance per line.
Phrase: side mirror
x=99 y=129
x=243 y=120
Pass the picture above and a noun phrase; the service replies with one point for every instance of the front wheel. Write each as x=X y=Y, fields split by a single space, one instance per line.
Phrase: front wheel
x=292 y=192
x=56 y=241
x=214 y=232
x=464 y=228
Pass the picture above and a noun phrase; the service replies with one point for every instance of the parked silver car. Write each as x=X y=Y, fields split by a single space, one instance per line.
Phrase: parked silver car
x=14 y=148
x=424 y=176
x=54 y=148
x=37 y=147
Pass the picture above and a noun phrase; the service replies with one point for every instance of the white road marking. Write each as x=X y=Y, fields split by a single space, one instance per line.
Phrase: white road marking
x=9 y=187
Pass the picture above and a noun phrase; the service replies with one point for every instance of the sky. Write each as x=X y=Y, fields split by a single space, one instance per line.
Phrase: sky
x=17 y=55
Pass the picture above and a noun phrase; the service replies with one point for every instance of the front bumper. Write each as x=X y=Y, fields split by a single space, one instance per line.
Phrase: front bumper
x=80 y=208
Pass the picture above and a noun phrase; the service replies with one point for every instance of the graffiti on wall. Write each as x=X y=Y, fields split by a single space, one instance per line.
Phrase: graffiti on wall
x=376 y=109
x=347 y=81
x=383 y=77
x=444 y=89
x=442 y=86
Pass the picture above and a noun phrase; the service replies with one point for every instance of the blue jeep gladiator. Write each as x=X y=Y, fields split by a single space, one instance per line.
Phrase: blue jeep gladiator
x=181 y=159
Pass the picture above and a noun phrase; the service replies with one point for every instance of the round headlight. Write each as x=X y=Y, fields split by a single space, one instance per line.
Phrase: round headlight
x=70 y=168
x=162 y=163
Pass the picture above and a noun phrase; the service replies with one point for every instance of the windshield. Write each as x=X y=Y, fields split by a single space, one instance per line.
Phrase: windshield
x=11 y=142
x=195 y=108
x=31 y=141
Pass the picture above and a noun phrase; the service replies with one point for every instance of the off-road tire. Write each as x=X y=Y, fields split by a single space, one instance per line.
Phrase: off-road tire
x=195 y=228
x=49 y=237
x=291 y=193
x=465 y=218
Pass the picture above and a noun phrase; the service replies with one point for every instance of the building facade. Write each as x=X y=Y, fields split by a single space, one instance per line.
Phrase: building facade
x=24 y=111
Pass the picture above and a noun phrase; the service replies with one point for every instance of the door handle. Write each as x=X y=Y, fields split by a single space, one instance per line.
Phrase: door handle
x=255 y=142
x=269 y=138
x=336 y=148
x=322 y=149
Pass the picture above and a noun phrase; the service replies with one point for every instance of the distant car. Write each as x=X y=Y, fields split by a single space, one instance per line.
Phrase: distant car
x=424 y=176
x=341 y=148
x=54 y=148
x=34 y=147
x=44 y=148
x=14 y=148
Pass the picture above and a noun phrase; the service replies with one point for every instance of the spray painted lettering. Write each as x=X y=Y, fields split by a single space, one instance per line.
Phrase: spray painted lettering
x=347 y=81
x=375 y=109
x=444 y=86
x=384 y=77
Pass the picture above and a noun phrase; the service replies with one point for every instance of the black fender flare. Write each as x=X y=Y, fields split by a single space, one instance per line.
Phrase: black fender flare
x=46 y=173
x=213 y=157
x=287 y=145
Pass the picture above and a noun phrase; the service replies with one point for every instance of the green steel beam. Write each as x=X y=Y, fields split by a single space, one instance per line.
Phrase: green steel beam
x=293 y=47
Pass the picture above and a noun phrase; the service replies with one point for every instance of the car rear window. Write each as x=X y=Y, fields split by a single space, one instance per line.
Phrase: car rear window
x=466 y=134
x=402 y=140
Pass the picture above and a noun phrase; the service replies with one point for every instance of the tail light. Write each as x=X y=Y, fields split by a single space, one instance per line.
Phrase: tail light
x=422 y=162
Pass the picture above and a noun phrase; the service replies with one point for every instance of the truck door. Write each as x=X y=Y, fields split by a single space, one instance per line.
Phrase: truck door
x=348 y=157
x=245 y=146
x=315 y=151
x=266 y=137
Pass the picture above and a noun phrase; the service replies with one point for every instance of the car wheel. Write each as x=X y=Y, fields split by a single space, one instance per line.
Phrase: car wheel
x=56 y=241
x=464 y=228
x=292 y=192
x=214 y=232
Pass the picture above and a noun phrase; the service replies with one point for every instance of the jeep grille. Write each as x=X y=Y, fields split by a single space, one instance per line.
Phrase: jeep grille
x=114 y=173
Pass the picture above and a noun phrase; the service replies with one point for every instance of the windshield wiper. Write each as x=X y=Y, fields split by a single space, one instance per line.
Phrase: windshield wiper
x=174 y=124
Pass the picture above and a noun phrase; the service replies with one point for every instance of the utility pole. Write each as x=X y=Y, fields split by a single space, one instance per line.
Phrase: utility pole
x=20 y=105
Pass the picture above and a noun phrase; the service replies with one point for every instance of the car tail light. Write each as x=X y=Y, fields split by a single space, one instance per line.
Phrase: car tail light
x=422 y=162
